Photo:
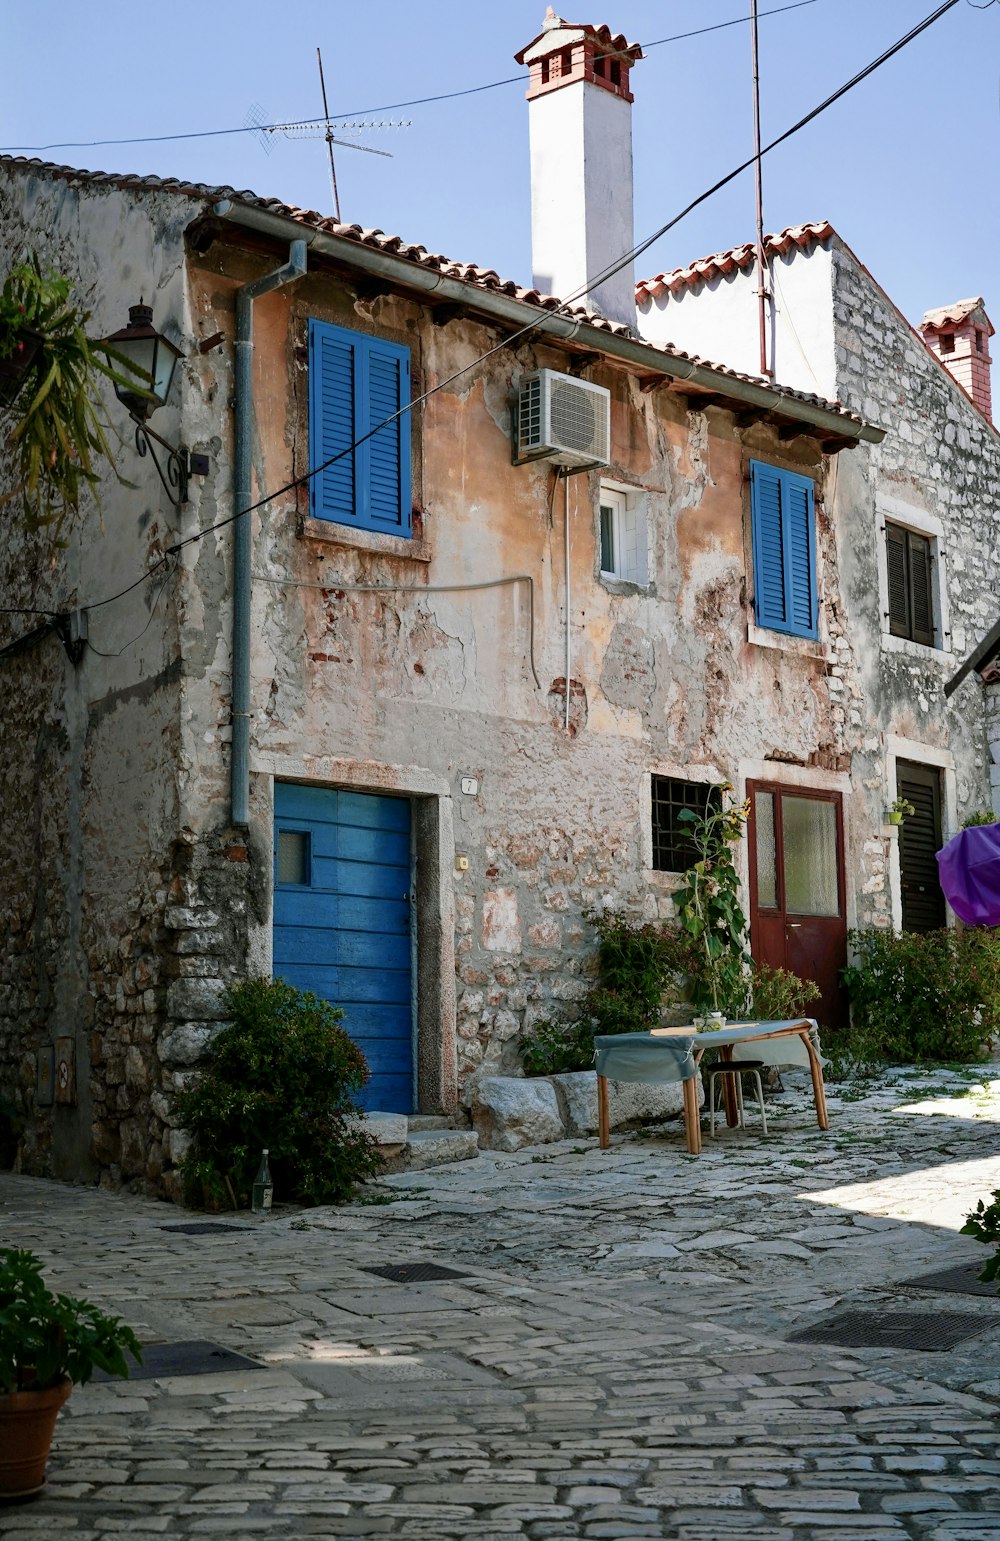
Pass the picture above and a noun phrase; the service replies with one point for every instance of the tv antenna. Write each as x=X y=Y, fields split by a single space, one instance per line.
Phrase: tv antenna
x=266 y=132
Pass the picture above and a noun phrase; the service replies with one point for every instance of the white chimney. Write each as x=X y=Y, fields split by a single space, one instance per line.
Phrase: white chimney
x=580 y=121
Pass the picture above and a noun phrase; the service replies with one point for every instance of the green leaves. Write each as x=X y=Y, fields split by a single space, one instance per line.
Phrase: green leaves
x=59 y=444
x=708 y=907
x=984 y=1224
x=44 y=1336
x=918 y=996
x=282 y=1074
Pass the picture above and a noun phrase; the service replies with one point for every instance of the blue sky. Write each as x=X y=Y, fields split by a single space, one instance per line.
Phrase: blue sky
x=905 y=166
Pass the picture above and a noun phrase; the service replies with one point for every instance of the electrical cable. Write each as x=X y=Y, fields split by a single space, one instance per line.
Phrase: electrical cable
x=533 y=325
x=419 y=101
x=133 y=640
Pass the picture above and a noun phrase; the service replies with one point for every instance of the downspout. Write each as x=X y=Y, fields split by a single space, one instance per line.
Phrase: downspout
x=294 y=268
x=566 y=556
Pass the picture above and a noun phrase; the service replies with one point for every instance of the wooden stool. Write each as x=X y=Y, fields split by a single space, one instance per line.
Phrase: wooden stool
x=735 y=1068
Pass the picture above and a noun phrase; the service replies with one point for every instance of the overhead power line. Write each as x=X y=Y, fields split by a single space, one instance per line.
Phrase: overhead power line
x=533 y=325
x=420 y=101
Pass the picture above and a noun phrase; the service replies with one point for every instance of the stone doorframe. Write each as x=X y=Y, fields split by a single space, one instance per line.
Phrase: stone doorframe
x=434 y=911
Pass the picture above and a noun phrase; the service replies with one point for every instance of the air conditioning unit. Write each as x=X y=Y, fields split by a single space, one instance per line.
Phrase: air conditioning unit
x=562 y=419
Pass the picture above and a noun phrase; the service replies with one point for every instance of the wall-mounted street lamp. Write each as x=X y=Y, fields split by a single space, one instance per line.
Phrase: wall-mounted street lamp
x=153 y=358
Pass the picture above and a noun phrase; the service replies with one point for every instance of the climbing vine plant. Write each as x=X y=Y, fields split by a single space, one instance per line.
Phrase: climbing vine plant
x=708 y=905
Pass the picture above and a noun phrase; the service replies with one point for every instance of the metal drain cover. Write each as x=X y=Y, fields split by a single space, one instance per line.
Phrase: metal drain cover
x=204 y=1228
x=415 y=1273
x=198 y=1357
x=922 y=1331
x=962 y=1280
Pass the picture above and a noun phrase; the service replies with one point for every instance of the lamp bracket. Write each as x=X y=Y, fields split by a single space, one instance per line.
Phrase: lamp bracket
x=181 y=465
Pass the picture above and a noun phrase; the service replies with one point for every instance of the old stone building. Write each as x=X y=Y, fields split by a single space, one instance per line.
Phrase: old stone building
x=476 y=592
x=915 y=517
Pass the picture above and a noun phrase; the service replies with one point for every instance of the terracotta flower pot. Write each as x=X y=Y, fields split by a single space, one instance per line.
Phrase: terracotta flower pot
x=27 y=1423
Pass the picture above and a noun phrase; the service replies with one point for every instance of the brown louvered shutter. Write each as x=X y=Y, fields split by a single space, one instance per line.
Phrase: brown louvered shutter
x=895 y=553
x=921 y=605
x=919 y=839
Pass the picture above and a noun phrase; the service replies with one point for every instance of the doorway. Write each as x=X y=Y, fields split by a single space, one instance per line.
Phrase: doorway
x=342 y=922
x=798 y=917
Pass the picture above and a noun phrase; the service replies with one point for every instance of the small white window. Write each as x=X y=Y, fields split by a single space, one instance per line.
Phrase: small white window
x=623 y=536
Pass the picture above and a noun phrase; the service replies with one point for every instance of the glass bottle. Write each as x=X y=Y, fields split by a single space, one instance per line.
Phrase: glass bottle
x=263 y=1188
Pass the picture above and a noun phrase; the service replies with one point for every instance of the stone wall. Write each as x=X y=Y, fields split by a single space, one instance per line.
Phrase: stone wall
x=939 y=461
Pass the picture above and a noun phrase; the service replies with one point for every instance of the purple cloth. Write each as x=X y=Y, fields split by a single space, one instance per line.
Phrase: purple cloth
x=969 y=869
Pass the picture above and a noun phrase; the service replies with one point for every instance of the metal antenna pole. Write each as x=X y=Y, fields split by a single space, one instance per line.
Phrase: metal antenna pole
x=762 y=275
x=329 y=141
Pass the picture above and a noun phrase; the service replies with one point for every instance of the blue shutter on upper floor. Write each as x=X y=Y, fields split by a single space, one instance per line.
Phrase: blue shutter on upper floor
x=356 y=383
x=784 y=550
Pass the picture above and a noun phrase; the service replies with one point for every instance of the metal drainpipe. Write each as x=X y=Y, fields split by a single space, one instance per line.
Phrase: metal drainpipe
x=294 y=268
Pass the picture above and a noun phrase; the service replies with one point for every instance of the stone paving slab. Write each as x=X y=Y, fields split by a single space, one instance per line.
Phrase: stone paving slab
x=616 y=1364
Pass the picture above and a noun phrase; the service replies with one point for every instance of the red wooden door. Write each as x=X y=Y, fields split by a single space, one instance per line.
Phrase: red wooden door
x=798 y=918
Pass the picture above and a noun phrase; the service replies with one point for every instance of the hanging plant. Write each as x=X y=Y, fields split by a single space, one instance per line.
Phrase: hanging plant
x=49 y=371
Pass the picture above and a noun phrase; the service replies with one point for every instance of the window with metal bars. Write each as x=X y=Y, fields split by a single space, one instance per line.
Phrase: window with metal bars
x=673 y=850
x=910 y=570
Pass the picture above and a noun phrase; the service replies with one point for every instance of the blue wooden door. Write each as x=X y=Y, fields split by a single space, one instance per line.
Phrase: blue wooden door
x=342 y=921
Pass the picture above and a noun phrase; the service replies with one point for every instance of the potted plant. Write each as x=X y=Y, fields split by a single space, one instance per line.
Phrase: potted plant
x=48 y=1344
x=49 y=371
x=901 y=807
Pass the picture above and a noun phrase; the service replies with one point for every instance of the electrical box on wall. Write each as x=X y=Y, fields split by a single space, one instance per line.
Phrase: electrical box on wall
x=66 y=1071
x=562 y=419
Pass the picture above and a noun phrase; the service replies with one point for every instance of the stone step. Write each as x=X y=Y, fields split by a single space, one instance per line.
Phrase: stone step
x=420 y=1122
x=437 y=1147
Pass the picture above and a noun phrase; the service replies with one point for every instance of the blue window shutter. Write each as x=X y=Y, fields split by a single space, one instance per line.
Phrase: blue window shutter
x=388 y=451
x=355 y=383
x=784 y=550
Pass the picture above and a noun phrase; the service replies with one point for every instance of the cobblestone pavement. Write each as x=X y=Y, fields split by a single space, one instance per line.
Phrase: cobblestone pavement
x=615 y=1362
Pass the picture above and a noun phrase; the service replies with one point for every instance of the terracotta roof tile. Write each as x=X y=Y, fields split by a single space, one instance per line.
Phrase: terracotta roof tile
x=737 y=258
x=395 y=245
x=952 y=315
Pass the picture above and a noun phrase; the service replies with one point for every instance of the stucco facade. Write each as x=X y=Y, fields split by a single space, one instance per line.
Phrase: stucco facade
x=432 y=668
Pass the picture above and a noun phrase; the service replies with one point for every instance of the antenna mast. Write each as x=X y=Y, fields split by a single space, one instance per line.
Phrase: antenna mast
x=762 y=274
x=329 y=139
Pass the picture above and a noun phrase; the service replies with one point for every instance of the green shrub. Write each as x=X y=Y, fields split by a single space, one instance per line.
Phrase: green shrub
x=917 y=996
x=980 y=816
x=778 y=995
x=553 y=1048
x=281 y=1075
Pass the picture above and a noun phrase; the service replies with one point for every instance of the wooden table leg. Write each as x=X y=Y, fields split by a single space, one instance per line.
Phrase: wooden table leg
x=692 y=1115
x=603 y=1114
x=819 y=1091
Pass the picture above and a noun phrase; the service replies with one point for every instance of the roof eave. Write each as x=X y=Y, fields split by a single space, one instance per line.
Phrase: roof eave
x=826 y=422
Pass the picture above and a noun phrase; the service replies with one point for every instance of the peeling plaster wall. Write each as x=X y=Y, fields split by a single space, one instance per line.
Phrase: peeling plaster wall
x=405 y=690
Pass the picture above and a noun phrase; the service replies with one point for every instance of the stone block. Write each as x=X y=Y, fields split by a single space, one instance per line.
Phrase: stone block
x=388 y=1128
x=197 y=1000
x=628 y=1101
x=511 y=1111
x=186 y=1043
x=437 y=1147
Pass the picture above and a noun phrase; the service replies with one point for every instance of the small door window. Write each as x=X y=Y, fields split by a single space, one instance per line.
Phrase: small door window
x=809 y=826
x=294 y=857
